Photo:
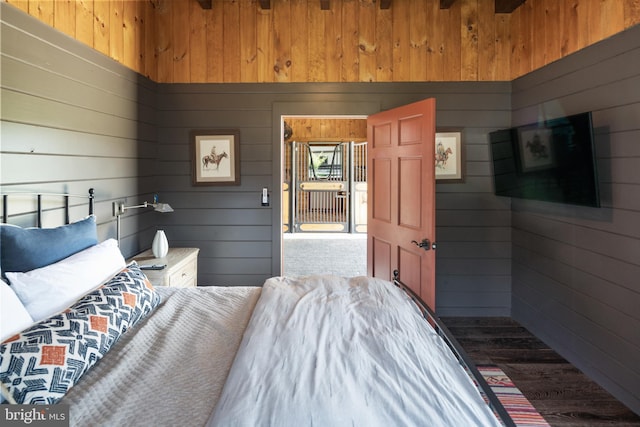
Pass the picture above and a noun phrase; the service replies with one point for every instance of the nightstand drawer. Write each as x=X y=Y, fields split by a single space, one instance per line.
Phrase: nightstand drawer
x=184 y=277
x=181 y=269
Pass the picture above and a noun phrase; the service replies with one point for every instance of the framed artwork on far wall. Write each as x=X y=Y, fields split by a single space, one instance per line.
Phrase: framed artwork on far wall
x=215 y=157
x=448 y=157
x=535 y=147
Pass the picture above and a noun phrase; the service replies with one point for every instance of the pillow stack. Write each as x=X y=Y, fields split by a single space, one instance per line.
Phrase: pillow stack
x=40 y=364
x=25 y=249
x=67 y=301
x=48 y=290
x=51 y=268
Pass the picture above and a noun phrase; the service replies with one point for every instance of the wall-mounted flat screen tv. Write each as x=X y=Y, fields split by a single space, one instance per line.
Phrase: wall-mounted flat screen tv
x=552 y=161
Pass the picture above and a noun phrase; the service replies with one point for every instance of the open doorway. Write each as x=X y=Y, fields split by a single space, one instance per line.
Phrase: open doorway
x=324 y=192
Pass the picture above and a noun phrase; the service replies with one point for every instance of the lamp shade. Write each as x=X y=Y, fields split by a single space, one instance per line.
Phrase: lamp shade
x=162 y=207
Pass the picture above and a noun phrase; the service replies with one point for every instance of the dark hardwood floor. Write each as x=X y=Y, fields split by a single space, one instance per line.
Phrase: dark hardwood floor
x=562 y=394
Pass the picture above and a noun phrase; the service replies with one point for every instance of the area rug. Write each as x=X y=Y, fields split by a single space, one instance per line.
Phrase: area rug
x=519 y=408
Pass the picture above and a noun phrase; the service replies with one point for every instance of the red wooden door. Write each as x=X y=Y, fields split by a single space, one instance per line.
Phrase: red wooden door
x=401 y=196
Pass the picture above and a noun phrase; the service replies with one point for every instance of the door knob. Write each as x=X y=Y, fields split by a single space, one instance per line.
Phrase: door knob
x=424 y=244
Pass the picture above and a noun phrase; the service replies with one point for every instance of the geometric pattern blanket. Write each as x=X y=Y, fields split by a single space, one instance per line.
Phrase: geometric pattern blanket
x=39 y=365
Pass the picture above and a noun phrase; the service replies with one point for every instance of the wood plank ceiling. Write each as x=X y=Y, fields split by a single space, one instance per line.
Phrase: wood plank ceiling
x=501 y=6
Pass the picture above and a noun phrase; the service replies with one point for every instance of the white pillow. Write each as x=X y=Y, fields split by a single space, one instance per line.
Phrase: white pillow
x=14 y=317
x=49 y=290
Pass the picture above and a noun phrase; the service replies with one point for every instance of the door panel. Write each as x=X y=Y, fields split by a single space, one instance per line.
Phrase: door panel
x=382 y=182
x=382 y=135
x=409 y=264
x=410 y=177
x=402 y=189
x=410 y=130
x=381 y=254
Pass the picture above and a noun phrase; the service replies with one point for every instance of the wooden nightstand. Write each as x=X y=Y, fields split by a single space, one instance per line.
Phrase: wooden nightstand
x=181 y=270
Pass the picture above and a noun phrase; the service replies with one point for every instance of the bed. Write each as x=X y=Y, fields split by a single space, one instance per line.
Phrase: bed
x=80 y=327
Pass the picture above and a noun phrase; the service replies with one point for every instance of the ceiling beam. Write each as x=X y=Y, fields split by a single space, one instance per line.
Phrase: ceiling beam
x=507 y=6
x=501 y=6
x=324 y=4
x=205 y=4
x=446 y=4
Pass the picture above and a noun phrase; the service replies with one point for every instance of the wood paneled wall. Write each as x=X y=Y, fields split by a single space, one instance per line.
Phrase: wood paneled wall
x=240 y=241
x=327 y=129
x=121 y=29
x=543 y=31
x=575 y=269
x=73 y=119
x=176 y=41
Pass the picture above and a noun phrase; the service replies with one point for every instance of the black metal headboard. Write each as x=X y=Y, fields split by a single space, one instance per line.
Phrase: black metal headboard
x=39 y=196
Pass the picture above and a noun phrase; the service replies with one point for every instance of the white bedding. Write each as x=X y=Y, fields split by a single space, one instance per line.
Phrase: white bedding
x=169 y=370
x=327 y=351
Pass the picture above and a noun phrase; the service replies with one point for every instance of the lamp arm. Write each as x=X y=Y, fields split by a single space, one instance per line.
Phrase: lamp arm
x=146 y=204
x=119 y=208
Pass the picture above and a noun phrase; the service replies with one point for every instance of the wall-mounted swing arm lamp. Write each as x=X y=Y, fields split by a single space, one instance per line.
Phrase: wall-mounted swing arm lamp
x=119 y=209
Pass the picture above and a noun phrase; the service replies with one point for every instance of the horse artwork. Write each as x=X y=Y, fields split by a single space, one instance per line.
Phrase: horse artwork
x=442 y=155
x=537 y=149
x=448 y=156
x=213 y=159
x=216 y=157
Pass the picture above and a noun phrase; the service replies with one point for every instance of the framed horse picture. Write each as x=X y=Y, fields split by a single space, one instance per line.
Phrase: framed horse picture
x=448 y=157
x=535 y=147
x=215 y=155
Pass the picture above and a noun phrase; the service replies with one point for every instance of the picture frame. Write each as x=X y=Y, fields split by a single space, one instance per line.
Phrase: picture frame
x=535 y=148
x=215 y=157
x=449 y=156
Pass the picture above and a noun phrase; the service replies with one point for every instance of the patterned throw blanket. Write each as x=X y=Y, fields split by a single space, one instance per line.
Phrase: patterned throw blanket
x=170 y=370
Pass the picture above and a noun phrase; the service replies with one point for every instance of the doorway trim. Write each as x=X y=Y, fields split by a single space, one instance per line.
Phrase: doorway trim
x=342 y=109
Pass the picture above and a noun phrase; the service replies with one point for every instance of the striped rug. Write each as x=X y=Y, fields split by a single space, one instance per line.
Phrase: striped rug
x=520 y=409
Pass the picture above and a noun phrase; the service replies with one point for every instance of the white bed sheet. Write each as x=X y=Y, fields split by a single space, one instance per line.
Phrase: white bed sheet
x=169 y=370
x=328 y=351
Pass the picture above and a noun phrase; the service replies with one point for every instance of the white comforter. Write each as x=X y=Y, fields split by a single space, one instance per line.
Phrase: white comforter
x=327 y=351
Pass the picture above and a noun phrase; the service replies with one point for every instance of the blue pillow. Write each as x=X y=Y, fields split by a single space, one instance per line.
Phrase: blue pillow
x=25 y=249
